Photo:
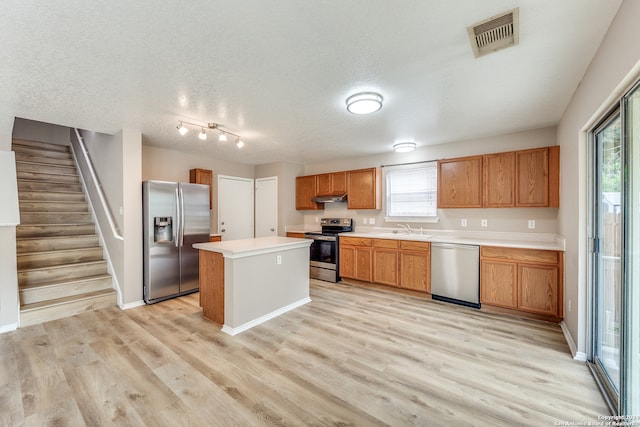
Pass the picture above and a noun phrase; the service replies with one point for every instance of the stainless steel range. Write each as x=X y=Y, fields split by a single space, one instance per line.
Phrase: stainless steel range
x=323 y=257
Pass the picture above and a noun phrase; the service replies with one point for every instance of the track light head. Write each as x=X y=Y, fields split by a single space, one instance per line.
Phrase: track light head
x=202 y=135
x=239 y=143
x=183 y=130
x=222 y=137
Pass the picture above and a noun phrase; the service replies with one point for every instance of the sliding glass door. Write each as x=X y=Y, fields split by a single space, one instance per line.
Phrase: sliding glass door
x=615 y=227
x=607 y=250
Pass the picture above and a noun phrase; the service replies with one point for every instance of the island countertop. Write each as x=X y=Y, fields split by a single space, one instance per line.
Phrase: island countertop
x=250 y=247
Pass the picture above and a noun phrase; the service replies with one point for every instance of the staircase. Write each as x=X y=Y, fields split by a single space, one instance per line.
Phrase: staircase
x=61 y=270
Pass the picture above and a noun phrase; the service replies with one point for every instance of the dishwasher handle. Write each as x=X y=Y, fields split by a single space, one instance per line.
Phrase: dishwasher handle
x=454 y=246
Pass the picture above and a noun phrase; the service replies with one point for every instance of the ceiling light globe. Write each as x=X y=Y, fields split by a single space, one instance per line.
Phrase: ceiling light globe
x=222 y=137
x=404 y=147
x=183 y=130
x=240 y=144
x=202 y=135
x=364 y=103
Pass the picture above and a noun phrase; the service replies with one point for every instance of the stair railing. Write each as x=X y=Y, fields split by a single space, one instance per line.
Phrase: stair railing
x=96 y=184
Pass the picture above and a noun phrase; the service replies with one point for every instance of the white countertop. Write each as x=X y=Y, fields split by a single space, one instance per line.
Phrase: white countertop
x=512 y=240
x=250 y=247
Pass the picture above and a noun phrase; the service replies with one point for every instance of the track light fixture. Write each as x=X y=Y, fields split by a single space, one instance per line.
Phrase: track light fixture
x=209 y=127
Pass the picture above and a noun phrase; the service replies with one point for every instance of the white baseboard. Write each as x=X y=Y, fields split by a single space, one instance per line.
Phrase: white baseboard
x=235 y=331
x=8 y=328
x=129 y=305
x=577 y=355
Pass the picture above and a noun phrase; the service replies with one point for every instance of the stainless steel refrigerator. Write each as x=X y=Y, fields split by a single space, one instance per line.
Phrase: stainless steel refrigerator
x=176 y=215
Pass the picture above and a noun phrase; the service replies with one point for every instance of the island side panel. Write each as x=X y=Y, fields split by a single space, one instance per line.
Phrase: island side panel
x=212 y=286
x=262 y=286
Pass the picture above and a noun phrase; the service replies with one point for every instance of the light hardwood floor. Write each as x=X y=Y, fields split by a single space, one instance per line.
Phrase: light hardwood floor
x=353 y=356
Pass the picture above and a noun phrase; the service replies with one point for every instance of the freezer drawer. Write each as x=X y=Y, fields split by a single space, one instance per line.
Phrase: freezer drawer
x=455 y=273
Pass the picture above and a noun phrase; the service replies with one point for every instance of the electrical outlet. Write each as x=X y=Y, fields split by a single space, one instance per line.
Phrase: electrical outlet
x=278 y=259
x=484 y=223
x=463 y=222
x=372 y=221
x=532 y=223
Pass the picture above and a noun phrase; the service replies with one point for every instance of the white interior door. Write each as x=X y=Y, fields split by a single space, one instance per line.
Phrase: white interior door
x=267 y=206
x=235 y=207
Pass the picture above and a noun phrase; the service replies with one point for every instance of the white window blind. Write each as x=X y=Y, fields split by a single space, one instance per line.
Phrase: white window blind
x=411 y=191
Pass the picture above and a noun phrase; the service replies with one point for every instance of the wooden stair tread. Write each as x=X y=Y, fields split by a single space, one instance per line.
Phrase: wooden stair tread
x=51 y=146
x=59 y=301
x=56 y=251
x=68 y=281
x=53 y=267
x=71 y=236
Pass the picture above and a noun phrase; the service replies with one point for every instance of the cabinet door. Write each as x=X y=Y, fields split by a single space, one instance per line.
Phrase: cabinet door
x=347 y=262
x=537 y=177
x=385 y=266
x=363 y=264
x=538 y=289
x=363 y=189
x=339 y=182
x=460 y=182
x=305 y=190
x=202 y=176
x=415 y=271
x=323 y=184
x=498 y=284
x=499 y=180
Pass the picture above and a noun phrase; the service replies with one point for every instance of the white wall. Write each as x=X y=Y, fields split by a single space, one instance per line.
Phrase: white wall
x=505 y=219
x=612 y=70
x=9 y=302
x=31 y=130
x=169 y=165
x=286 y=173
x=117 y=160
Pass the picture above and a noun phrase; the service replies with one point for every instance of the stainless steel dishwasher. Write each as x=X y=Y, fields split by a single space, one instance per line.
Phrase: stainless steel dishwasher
x=455 y=273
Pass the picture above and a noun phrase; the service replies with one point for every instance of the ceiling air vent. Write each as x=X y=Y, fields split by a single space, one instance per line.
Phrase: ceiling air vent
x=495 y=33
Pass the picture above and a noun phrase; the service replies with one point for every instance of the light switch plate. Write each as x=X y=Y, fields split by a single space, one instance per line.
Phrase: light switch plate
x=484 y=223
x=532 y=223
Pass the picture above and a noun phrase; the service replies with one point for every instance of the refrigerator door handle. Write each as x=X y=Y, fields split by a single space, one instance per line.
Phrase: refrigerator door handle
x=181 y=217
x=176 y=232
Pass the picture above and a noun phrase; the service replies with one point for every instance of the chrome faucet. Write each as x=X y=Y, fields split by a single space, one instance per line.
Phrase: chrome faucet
x=406 y=227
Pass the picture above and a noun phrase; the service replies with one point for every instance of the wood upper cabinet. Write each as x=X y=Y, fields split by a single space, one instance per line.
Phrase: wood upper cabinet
x=331 y=183
x=538 y=177
x=202 y=176
x=355 y=258
x=385 y=262
x=305 y=190
x=415 y=266
x=460 y=182
x=364 y=189
x=499 y=180
x=528 y=280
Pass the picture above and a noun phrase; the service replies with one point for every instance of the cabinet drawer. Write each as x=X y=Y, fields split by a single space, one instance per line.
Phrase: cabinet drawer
x=385 y=243
x=521 y=255
x=355 y=241
x=408 y=245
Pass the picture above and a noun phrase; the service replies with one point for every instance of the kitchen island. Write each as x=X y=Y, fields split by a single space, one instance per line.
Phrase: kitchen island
x=249 y=281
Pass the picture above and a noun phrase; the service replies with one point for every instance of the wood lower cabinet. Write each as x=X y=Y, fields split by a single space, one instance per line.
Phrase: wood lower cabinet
x=527 y=280
x=215 y=238
x=398 y=263
x=296 y=235
x=203 y=176
x=356 y=258
x=385 y=262
x=460 y=183
x=305 y=191
x=415 y=266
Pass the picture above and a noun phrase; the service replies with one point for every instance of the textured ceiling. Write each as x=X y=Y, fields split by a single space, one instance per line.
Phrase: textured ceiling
x=278 y=72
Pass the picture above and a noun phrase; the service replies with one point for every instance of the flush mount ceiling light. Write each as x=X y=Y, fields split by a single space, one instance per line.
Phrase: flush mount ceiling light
x=209 y=127
x=364 y=103
x=404 y=147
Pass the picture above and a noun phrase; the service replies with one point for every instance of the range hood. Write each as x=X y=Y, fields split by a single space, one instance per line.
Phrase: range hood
x=330 y=199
